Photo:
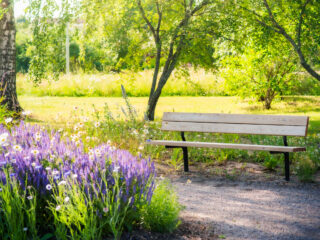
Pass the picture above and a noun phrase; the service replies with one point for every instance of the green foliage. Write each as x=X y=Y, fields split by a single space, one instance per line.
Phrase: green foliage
x=258 y=75
x=4 y=114
x=18 y=210
x=305 y=169
x=162 y=214
x=48 y=37
x=290 y=22
x=87 y=218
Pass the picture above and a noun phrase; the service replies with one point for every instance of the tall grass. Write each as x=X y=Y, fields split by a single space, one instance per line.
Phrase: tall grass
x=198 y=83
x=137 y=84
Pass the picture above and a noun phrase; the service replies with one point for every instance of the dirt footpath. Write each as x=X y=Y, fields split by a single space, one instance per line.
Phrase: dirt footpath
x=252 y=209
x=250 y=204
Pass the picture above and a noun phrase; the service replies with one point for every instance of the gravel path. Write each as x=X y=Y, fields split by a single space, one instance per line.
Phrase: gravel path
x=252 y=210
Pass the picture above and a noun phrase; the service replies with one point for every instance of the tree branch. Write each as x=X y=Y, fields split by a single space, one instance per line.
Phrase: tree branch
x=143 y=14
x=303 y=9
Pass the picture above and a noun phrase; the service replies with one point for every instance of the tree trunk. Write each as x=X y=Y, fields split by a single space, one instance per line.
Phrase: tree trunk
x=8 y=92
x=153 y=99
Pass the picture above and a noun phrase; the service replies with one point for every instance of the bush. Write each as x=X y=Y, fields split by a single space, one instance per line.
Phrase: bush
x=74 y=193
x=161 y=215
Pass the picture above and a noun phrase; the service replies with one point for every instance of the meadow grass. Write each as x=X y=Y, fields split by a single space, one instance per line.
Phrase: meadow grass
x=197 y=83
x=57 y=110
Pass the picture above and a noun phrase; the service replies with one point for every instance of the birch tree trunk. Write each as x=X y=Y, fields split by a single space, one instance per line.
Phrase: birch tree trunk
x=8 y=94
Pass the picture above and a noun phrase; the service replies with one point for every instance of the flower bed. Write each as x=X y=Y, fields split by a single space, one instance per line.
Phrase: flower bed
x=58 y=189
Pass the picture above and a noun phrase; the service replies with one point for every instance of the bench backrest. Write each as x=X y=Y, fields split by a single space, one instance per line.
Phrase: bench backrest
x=278 y=125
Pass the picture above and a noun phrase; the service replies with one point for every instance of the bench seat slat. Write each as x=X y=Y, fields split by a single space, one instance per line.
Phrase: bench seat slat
x=227 y=145
x=236 y=118
x=234 y=128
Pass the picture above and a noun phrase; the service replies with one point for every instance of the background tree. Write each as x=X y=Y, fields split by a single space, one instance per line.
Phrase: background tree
x=260 y=75
x=297 y=21
x=8 y=92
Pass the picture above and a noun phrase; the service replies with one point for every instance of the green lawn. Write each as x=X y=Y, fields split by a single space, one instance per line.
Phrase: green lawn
x=58 y=109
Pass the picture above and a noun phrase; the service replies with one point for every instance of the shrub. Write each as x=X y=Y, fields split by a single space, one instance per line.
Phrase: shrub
x=104 y=185
x=161 y=215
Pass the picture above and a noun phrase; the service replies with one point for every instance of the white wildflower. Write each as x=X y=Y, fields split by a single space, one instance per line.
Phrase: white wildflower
x=66 y=200
x=62 y=183
x=49 y=187
x=35 y=152
x=106 y=209
x=97 y=124
x=17 y=148
x=26 y=113
x=8 y=120
x=30 y=197
x=4 y=139
x=116 y=169
x=97 y=152
x=74 y=176
x=58 y=208
x=37 y=136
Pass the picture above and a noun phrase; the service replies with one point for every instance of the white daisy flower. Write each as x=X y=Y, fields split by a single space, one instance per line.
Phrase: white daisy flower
x=17 y=148
x=97 y=124
x=35 y=152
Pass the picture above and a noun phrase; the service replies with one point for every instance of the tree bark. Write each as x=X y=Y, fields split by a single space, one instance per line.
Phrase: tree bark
x=8 y=94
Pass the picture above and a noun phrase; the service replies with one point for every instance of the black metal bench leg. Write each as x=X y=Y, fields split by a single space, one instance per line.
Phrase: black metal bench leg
x=185 y=159
x=287 y=165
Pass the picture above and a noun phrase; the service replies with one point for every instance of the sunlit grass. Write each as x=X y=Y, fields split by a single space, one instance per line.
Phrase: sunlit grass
x=137 y=84
x=58 y=109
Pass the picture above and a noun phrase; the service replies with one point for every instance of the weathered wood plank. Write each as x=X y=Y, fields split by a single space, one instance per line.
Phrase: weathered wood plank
x=234 y=128
x=236 y=118
x=227 y=146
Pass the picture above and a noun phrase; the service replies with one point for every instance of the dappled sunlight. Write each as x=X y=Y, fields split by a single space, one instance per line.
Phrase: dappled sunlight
x=265 y=211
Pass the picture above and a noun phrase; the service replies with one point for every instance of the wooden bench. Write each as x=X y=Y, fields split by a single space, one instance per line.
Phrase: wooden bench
x=275 y=125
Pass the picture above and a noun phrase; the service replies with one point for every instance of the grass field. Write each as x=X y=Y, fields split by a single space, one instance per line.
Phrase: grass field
x=58 y=109
x=137 y=84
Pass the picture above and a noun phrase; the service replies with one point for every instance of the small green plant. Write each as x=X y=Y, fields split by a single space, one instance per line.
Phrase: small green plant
x=161 y=215
x=17 y=210
x=176 y=158
x=305 y=169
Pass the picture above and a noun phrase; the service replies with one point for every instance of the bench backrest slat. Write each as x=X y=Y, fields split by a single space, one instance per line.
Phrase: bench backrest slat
x=236 y=123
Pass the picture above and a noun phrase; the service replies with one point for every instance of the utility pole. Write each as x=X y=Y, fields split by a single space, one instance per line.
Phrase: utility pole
x=67 y=50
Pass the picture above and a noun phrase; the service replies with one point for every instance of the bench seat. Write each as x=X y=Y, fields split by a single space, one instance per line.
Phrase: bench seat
x=269 y=148
x=274 y=125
